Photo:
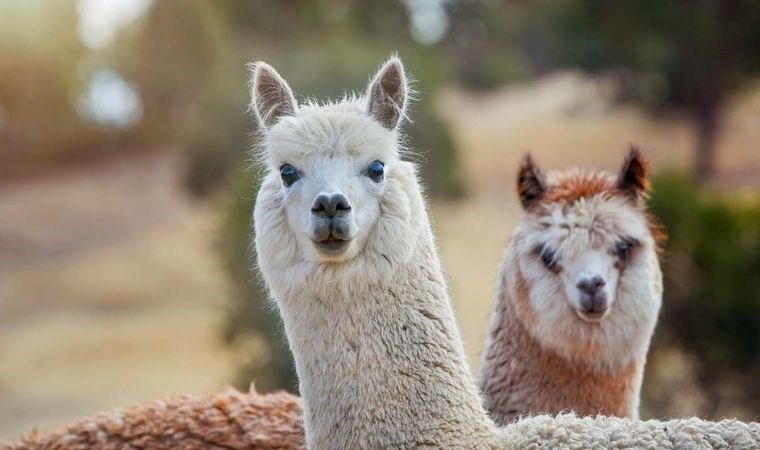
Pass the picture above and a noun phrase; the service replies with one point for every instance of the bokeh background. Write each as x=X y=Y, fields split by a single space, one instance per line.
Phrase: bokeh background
x=126 y=187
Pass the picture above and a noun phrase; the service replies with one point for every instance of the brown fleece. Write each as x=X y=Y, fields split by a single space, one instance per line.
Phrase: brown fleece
x=226 y=420
x=520 y=377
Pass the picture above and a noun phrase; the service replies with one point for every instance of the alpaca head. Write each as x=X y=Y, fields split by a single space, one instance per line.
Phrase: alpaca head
x=336 y=193
x=587 y=252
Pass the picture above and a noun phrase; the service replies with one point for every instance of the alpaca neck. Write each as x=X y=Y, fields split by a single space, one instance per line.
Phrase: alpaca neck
x=382 y=366
x=520 y=376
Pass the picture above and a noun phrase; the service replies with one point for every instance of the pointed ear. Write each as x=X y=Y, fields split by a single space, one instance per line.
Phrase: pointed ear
x=531 y=184
x=387 y=94
x=271 y=97
x=632 y=180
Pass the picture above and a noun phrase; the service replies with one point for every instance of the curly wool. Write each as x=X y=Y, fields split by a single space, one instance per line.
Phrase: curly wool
x=233 y=420
x=225 y=420
x=566 y=431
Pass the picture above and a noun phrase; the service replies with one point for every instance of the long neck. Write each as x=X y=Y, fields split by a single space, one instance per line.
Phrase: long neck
x=383 y=365
x=520 y=376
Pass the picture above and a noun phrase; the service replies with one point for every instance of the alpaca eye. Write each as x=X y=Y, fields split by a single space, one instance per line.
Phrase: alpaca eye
x=289 y=174
x=547 y=257
x=623 y=249
x=376 y=170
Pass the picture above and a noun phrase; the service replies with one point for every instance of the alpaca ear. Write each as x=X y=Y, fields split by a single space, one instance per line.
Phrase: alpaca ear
x=632 y=180
x=271 y=97
x=531 y=184
x=387 y=94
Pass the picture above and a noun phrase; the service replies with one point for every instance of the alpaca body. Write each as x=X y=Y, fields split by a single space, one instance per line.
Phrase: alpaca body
x=552 y=345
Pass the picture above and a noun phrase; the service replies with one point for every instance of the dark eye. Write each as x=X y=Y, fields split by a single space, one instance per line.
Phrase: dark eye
x=376 y=170
x=289 y=174
x=549 y=259
x=623 y=249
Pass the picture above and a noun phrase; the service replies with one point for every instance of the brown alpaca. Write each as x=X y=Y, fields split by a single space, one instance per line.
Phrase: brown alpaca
x=226 y=420
x=578 y=296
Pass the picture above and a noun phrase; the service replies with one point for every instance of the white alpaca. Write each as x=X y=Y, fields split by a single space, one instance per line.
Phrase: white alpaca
x=578 y=296
x=345 y=247
x=344 y=244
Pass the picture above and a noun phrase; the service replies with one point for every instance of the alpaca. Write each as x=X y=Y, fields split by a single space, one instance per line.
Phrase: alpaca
x=345 y=247
x=366 y=311
x=346 y=250
x=579 y=293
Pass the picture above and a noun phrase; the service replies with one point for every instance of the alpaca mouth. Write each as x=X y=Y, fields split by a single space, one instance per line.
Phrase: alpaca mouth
x=332 y=245
x=591 y=316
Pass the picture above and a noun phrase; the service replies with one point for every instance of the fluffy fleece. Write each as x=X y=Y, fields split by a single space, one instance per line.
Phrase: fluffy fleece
x=229 y=420
x=233 y=420
x=541 y=355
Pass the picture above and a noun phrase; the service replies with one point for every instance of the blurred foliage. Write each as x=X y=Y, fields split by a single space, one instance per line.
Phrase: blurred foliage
x=678 y=54
x=675 y=55
x=712 y=290
x=41 y=70
x=253 y=322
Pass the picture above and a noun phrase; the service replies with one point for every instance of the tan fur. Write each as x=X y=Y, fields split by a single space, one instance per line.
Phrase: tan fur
x=520 y=377
x=229 y=420
x=540 y=357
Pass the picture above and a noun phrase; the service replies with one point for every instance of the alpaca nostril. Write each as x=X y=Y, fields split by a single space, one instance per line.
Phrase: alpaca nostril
x=591 y=285
x=343 y=204
x=330 y=205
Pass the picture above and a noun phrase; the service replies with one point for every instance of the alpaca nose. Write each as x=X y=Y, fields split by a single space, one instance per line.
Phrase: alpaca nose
x=330 y=205
x=591 y=285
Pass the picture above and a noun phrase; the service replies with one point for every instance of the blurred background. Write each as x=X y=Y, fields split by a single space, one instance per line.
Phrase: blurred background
x=126 y=187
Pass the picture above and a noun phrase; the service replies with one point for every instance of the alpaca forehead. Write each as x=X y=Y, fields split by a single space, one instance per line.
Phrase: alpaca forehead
x=598 y=221
x=326 y=132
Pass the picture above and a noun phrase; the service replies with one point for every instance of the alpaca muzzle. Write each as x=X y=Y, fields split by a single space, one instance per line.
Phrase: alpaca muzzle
x=332 y=222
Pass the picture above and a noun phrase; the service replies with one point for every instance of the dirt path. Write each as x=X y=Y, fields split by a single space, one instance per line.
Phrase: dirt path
x=109 y=292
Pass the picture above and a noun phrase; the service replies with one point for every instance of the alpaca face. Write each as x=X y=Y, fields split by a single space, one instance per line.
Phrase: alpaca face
x=586 y=250
x=585 y=247
x=336 y=190
x=331 y=183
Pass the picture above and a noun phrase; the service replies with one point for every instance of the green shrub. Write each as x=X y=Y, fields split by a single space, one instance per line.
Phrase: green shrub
x=251 y=317
x=712 y=286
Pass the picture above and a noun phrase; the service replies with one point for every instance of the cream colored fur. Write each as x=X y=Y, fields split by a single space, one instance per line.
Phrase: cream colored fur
x=377 y=350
